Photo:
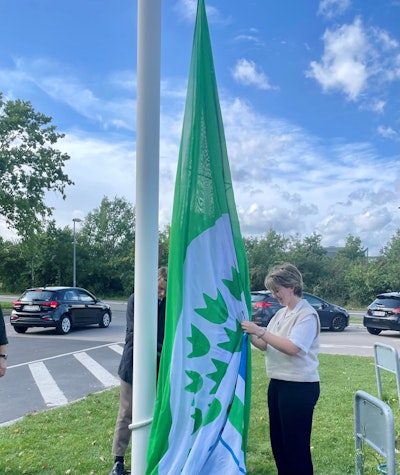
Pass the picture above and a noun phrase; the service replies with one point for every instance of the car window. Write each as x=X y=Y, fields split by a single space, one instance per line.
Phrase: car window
x=313 y=301
x=85 y=297
x=45 y=295
x=263 y=298
x=258 y=297
x=71 y=294
x=60 y=295
x=388 y=302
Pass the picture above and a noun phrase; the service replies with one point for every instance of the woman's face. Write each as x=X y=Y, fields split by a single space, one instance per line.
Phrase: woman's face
x=283 y=294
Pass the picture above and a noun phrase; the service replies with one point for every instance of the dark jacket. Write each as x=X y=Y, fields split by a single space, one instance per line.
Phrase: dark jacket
x=3 y=335
x=125 y=370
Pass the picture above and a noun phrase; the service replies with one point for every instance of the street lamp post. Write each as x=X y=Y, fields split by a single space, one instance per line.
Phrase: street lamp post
x=75 y=220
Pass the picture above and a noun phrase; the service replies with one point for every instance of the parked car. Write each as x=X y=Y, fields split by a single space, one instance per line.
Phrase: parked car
x=383 y=313
x=60 y=307
x=264 y=307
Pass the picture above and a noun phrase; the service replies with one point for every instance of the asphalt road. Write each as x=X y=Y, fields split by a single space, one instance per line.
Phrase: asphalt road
x=47 y=370
x=355 y=340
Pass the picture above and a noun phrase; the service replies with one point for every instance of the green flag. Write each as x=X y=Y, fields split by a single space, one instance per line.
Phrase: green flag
x=202 y=405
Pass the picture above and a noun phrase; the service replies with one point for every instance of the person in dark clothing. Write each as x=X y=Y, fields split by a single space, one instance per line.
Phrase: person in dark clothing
x=3 y=345
x=122 y=433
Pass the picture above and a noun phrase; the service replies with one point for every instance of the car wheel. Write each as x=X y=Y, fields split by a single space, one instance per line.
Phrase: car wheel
x=105 y=320
x=373 y=331
x=64 y=325
x=20 y=329
x=338 y=323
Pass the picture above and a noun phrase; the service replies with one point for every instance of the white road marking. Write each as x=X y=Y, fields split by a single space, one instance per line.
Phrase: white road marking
x=118 y=349
x=58 y=356
x=51 y=393
x=105 y=377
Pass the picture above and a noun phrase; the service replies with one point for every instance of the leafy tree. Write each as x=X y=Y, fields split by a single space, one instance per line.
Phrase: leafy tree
x=15 y=275
x=310 y=257
x=43 y=259
x=163 y=246
x=350 y=268
x=106 y=251
x=353 y=249
x=390 y=264
x=262 y=254
x=52 y=256
x=29 y=165
x=105 y=248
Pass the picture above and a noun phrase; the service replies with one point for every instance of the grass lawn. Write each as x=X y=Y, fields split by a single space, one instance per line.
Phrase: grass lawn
x=76 y=439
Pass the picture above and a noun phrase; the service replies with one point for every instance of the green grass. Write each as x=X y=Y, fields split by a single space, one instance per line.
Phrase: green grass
x=333 y=428
x=6 y=306
x=76 y=439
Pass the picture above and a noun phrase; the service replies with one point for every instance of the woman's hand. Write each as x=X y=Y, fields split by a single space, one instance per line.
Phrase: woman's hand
x=250 y=327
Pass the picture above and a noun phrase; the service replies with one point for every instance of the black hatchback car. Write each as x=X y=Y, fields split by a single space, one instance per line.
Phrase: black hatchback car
x=264 y=307
x=383 y=313
x=58 y=307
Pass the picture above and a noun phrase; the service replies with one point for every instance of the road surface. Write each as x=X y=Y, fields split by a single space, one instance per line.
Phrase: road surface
x=47 y=370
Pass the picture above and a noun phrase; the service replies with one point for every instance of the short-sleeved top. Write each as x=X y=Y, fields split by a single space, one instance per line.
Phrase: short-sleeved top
x=302 y=327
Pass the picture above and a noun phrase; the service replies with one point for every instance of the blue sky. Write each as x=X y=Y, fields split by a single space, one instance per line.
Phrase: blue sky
x=309 y=94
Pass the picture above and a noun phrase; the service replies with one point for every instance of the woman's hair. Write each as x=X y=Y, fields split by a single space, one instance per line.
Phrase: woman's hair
x=285 y=275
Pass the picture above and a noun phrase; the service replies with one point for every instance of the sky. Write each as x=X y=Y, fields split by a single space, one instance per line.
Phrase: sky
x=309 y=93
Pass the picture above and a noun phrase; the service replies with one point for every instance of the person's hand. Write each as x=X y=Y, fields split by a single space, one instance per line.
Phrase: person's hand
x=3 y=366
x=250 y=327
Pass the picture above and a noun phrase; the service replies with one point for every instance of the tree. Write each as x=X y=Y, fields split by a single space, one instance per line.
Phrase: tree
x=29 y=165
x=262 y=254
x=310 y=258
x=353 y=249
x=390 y=264
x=52 y=256
x=163 y=246
x=106 y=248
x=14 y=267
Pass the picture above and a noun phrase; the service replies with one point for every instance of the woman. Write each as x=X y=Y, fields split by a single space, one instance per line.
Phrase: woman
x=291 y=341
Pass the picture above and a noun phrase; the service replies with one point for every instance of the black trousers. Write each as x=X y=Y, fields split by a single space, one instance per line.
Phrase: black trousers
x=291 y=407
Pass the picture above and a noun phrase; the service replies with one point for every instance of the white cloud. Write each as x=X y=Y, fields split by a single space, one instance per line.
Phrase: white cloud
x=333 y=8
x=187 y=10
x=387 y=132
x=113 y=109
x=98 y=168
x=250 y=38
x=287 y=180
x=378 y=106
x=283 y=177
x=245 y=72
x=357 y=61
x=343 y=64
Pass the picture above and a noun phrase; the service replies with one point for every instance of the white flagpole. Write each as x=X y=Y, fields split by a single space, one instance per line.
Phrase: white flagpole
x=146 y=236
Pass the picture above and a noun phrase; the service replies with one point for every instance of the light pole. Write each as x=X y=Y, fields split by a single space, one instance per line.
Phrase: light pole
x=75 y=220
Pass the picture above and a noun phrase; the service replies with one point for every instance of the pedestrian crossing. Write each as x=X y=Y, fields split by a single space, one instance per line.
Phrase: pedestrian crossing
x=57 y=381
x=51 y=393
x=104 y=376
